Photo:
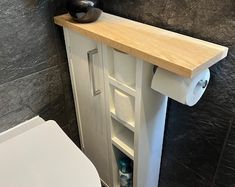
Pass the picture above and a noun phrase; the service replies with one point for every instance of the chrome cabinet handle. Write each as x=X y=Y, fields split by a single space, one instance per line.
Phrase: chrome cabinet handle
x=90 y=55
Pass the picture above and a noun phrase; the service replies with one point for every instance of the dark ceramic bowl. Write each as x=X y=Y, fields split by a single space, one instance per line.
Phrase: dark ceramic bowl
x=84 y=11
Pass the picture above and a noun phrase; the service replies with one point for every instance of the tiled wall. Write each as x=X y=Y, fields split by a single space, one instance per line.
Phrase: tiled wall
x=199 y=148
x=34 y=77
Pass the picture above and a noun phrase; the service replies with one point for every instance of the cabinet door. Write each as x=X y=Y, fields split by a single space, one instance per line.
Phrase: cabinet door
x=87 y=79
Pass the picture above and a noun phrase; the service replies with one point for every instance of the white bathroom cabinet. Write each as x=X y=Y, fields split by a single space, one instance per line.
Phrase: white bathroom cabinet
x=90 y=107
x=104 y=137
x=106 y=134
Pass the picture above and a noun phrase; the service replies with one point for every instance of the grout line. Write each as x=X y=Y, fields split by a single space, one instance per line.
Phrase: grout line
x=33 y=73
x=190 y=169
x=222 y=152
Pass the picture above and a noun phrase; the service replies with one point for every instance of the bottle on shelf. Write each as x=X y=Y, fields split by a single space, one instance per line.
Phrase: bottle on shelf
x=125 y=172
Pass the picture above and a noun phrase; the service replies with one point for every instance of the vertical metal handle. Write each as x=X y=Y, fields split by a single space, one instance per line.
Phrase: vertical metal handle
x=90 y=55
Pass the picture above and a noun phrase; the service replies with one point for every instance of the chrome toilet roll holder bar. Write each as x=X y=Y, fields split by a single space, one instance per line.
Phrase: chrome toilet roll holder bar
x=203 y=83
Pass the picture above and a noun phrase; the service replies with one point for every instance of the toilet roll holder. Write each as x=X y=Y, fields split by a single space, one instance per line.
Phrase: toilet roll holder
x=202 y=83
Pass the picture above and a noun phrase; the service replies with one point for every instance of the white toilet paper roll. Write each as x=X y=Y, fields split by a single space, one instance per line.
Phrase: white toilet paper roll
x=184 y=90
x=124 y=68
x=124 y=106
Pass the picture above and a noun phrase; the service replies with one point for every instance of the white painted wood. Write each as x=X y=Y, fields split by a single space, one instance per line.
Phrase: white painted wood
x=74 y=86
x=122 y=86
x=123 y=139
x=130 y=126
x=142 y=141
x=150 y=111
x=90 y=109
x=124 y=144
x=149 y=130
x=124 y=67
x=117 y=127
x=108 y=70
x=124 y=105
x=103 y=183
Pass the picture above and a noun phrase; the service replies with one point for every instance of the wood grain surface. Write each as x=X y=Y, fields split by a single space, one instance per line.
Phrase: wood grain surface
x=180 y=54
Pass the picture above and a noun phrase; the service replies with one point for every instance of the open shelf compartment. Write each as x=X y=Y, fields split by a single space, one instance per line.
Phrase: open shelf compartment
x=123 y=139
x=122 y=86
x=130 y=126
x=121 y=69
x=122 y=107
x=117 y=155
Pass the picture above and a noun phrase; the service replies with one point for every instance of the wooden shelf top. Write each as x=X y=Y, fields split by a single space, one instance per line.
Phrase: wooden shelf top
x=174 y=52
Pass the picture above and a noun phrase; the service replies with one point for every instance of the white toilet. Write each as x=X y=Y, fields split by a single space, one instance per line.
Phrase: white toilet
x=39 y=154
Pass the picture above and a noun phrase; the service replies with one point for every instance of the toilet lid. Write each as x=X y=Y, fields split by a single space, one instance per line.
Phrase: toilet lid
x=45 y=157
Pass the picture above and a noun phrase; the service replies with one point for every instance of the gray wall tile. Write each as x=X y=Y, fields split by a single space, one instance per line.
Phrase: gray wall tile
x=195 y=136
x=15 y=117
x=41 y=92
x=226 y=172
x=180 y=175
x=35 y=91
x=27 y=39
x=34 y=77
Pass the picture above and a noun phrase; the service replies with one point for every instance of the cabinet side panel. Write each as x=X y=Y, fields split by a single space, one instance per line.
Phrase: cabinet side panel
x=74 y=89
x=150 y=115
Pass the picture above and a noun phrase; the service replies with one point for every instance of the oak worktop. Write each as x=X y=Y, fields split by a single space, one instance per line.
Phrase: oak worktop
x=174 y=52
